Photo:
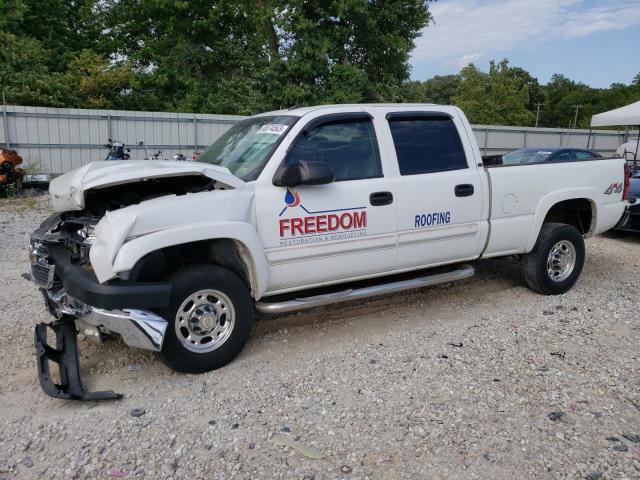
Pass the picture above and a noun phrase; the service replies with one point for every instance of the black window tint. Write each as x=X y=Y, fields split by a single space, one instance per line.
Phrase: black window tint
x=427 y=145
x=350 y=148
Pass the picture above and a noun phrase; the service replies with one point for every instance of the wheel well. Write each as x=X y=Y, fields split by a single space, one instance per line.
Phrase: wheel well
x=577 y=212
x=225 y=252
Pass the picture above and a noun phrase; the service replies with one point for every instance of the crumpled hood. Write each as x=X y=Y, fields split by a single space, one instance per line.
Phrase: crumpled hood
x=68 y=191
x=171 y=214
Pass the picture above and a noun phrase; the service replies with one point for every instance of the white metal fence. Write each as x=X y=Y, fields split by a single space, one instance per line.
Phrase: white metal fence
x=56 y=140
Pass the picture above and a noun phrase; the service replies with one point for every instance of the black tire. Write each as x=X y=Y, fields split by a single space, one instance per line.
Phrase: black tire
x=534 y=264
x=186 y=282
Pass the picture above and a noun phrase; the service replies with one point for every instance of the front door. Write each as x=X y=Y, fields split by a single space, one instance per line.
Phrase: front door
x=319 y=234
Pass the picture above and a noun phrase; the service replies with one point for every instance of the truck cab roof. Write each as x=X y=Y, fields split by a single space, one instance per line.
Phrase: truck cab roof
x=302 y=111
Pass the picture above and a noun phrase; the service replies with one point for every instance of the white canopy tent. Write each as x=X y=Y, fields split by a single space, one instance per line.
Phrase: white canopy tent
x=627 y=115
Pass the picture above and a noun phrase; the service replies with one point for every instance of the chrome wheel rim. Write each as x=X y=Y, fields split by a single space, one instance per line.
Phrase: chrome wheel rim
x=205 y=321
x=561 y=261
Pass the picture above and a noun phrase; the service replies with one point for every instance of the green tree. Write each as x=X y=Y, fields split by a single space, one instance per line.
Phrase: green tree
x=442 y=89
x=39 y=39
x=246 y=56
x=493 y=98
x=100 y=83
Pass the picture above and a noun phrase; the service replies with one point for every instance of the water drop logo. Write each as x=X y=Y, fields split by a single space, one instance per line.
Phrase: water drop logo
x=292 y=199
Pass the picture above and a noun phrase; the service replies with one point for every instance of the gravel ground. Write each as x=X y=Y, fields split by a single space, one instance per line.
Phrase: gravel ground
x=482 y=379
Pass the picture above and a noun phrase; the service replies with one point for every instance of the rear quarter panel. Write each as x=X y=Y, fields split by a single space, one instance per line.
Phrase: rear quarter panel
x=522 y=195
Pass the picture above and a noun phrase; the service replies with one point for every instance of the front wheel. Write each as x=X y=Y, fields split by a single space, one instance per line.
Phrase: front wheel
x=555 y=263
x=209 y=317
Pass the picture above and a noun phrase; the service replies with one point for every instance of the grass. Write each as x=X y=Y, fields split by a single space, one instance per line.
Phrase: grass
x=22 y=204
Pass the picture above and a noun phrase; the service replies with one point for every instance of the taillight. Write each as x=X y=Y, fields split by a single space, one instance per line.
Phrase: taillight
x=627 y=175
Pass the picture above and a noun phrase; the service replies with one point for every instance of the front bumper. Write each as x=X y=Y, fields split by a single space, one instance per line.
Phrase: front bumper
x=82 y=284
x=79 y=302
x=72 y=291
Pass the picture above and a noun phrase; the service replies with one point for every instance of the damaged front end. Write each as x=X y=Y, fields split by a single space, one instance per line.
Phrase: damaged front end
x=60 y=267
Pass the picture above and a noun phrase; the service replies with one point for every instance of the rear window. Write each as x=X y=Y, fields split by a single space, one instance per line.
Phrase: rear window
x=526 y=156
x=427 y=145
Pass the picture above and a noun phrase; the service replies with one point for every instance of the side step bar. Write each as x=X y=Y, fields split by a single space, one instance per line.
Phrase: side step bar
x=464 y=271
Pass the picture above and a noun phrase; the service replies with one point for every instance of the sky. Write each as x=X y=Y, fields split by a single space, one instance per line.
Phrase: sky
x=593 y=42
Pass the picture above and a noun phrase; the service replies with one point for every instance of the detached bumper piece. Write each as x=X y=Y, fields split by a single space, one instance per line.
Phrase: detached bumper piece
x=65 y=354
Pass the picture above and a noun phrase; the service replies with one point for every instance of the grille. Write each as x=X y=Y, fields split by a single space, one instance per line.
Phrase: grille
x=42 y=274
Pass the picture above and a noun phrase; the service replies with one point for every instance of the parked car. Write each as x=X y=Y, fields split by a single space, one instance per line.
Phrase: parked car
x=294 y=209
x=630 y=221
x=543 y=154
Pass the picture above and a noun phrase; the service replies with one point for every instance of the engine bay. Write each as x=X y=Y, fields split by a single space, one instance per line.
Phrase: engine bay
x=101 y=200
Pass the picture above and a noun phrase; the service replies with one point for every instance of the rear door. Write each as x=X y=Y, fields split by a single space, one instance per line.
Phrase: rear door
x=439 y=190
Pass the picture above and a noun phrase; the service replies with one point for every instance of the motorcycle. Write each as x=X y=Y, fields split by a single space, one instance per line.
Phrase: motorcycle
x=180 y=157
x=11 y=175
x=117 y=151
x=154 y=156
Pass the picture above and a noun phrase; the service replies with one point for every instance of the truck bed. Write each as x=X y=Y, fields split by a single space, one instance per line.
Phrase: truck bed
x=521 y=195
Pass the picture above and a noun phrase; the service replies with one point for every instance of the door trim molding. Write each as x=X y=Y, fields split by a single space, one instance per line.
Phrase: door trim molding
x=330 y=249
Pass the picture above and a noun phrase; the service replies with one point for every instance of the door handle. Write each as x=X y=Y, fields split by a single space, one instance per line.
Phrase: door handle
x=464 y=190
x=381 y=198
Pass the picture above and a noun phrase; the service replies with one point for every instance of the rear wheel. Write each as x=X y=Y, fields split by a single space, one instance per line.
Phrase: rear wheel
x=555 y=263
x=209 y=317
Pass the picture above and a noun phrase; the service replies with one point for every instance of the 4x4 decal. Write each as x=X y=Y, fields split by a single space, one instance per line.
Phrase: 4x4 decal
x=614 y=188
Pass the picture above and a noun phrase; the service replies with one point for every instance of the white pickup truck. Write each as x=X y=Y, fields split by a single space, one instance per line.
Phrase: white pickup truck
x=295 y=209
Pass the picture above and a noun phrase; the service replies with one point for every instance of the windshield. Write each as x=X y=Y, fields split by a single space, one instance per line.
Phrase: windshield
x=525 y=156
x=246 y=147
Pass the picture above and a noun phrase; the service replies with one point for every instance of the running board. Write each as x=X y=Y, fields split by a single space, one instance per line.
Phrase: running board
x=465 y=271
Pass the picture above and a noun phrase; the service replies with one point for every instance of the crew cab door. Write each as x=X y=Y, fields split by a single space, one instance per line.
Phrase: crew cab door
x=321 y=234
x=440 y=190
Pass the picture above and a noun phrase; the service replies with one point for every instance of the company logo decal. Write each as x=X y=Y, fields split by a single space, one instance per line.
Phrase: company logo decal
x=614 y=188
x=292 y=199
x=434 y=218
x=310 y=226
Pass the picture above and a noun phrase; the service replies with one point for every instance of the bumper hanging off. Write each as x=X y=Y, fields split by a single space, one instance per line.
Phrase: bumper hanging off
x=65 y=354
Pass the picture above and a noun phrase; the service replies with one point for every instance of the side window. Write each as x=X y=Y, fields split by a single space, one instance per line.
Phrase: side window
x=561 y=157
x=349 y=147
x=427 y=145
x=581 y=155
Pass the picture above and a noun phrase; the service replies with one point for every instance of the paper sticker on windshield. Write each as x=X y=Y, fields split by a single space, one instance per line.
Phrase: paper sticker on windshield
x=276 y=128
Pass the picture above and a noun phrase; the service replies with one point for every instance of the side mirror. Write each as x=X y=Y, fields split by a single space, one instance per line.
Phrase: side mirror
x=304 y=173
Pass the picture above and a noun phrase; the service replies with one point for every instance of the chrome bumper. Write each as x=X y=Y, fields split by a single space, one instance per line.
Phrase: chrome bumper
x=138 y=328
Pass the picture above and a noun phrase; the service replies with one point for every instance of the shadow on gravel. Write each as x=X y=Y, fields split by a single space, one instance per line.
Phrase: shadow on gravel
x=491 y=275
x=626 y=237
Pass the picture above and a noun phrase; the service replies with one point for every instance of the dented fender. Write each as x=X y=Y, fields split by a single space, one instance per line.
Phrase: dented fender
x=251 y=251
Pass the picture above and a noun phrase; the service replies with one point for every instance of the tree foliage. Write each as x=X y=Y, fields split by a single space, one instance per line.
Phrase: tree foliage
x=508 y=96
x=252 y=55
x=498 y=97
x=246 y=56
